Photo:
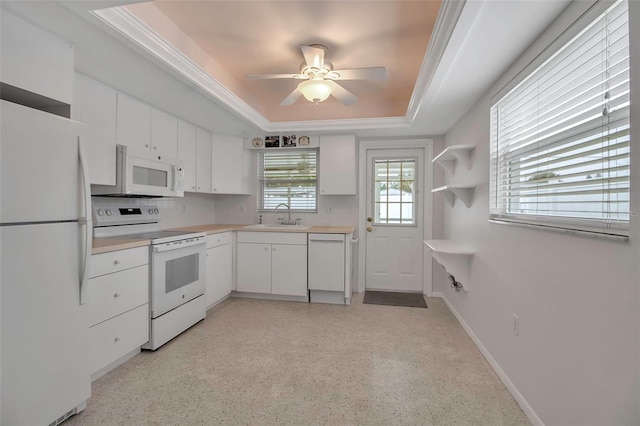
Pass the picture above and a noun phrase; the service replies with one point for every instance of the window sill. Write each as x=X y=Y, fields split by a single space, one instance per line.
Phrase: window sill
x=577 y=232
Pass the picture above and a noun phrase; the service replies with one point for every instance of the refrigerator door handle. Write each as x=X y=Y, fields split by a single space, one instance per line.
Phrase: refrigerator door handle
x=86 y=222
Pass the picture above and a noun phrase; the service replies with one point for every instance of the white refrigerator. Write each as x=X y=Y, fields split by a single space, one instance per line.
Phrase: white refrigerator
x=45 y=247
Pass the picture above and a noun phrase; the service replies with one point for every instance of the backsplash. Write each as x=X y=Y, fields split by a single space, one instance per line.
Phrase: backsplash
x=339 y=210
x=192 y=209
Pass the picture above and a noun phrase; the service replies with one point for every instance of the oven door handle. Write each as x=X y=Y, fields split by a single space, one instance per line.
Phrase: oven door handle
x=177 y=245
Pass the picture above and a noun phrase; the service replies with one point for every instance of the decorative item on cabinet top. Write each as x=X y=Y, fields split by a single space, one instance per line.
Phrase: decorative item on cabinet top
x=284 y=141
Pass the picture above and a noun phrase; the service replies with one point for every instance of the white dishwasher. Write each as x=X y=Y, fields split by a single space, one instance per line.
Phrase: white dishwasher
x=328 y=279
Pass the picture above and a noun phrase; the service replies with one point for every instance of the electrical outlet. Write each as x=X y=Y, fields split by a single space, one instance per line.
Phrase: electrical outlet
x=242 y=209
x=516 y=325
x=184 y=208
x=329 y=210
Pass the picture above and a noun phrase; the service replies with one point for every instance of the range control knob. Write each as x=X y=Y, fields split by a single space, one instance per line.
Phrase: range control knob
x=156 y=210
x=108 y=212
x=100 y=212
x=150 y=211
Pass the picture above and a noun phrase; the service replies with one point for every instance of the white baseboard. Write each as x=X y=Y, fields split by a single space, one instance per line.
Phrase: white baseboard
x=528 y=410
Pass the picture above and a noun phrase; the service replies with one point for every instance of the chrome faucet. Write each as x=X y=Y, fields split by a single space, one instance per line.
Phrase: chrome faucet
x=282 y=220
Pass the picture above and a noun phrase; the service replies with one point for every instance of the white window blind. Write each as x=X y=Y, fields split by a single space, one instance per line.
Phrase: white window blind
x=560 y=139
x=288 y=177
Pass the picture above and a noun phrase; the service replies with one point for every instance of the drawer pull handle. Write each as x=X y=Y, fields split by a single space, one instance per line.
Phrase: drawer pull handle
x=116 y=262
x=116 y=294
x=117 y=339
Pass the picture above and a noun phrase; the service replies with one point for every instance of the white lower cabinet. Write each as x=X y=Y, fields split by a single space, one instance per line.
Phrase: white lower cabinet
x=219 y=267
x=254 y=268
x=272 y=263
x=118 y=307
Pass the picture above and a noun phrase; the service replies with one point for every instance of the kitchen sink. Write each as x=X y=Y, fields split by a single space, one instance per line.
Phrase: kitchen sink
x=276 y=226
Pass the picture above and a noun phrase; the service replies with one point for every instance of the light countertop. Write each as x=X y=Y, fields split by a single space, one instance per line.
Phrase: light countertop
x=103 y=245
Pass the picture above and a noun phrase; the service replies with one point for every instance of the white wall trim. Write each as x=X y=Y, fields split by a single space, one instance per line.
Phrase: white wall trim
x=391 y=143
x=442 y=31
x=526 y=407
x=340 y=124
x=146 y=38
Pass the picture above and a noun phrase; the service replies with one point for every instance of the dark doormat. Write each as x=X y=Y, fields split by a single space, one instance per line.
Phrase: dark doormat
x=412 y=300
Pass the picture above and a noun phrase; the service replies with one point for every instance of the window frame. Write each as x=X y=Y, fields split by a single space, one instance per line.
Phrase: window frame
x=499 y=166
x=260 y=181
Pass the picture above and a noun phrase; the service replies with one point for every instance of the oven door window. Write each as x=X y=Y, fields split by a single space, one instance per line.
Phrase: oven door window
x=181 y=272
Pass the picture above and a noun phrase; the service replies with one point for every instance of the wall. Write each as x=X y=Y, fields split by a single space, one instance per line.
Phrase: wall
x=576 y=359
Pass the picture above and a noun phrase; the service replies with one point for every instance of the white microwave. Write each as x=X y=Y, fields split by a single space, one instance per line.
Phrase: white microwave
x=142 y=174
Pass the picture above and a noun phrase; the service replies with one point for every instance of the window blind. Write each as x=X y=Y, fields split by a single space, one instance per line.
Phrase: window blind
x=288 y=177
x=560 y=139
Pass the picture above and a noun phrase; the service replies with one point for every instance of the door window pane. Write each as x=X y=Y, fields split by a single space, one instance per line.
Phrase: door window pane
x=394 y=189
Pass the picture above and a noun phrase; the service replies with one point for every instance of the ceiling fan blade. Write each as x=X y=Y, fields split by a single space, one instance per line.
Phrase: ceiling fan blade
x=314 y=56
x=370 y=73
x=273 y=76
x=342 y=94
x=292 y=98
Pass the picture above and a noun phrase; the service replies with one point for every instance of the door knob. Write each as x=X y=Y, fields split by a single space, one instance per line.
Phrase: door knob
x=369 y=219
x=369 y=229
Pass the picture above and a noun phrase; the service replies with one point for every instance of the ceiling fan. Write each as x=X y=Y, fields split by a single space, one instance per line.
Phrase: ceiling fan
x=320 y=78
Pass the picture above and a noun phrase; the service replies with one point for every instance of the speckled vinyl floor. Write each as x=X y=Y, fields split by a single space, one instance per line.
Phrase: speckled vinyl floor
x=266 y=362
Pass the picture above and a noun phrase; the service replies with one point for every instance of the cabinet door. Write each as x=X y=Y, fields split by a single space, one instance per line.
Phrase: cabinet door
x=254 y=268
x=203 y=161
x=337 y=165
x=219 y=273
x=227 y=164
x=187 y=153
x=164 y=134
x=133 y=123
x=288 y=270
x=95 y=105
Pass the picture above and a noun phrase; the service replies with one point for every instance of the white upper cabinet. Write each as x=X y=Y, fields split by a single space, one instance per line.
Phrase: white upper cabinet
x=227 y=164
x=338 y=165
x=164 y=134
x=194 y=149
x=35 y=60
x=95 y=105
x=203 y=161
x=143 y=127
x=134 y=123
x=187 y=153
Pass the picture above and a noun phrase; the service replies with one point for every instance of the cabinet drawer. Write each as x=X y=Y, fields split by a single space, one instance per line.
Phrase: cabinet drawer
x=273 y=237
x=113 y=294
x=114 y=261
x=117 y=337
x=221 y=239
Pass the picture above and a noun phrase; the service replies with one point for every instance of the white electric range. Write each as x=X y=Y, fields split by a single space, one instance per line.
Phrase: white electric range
x=177 y=267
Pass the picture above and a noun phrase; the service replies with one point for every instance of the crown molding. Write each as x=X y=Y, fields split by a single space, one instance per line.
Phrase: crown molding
x=145 y=38
x=450 y=11
x=352 y=124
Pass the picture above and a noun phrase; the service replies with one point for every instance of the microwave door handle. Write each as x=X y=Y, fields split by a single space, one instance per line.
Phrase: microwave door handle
x=86 y=222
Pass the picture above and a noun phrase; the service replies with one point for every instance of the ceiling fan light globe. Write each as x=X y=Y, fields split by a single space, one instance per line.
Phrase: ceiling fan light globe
x=315 y=91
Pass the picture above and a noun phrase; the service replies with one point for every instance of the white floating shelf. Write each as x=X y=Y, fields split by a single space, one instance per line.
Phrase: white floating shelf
x=454 y=257
x=448 y=158
x=451 y=192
